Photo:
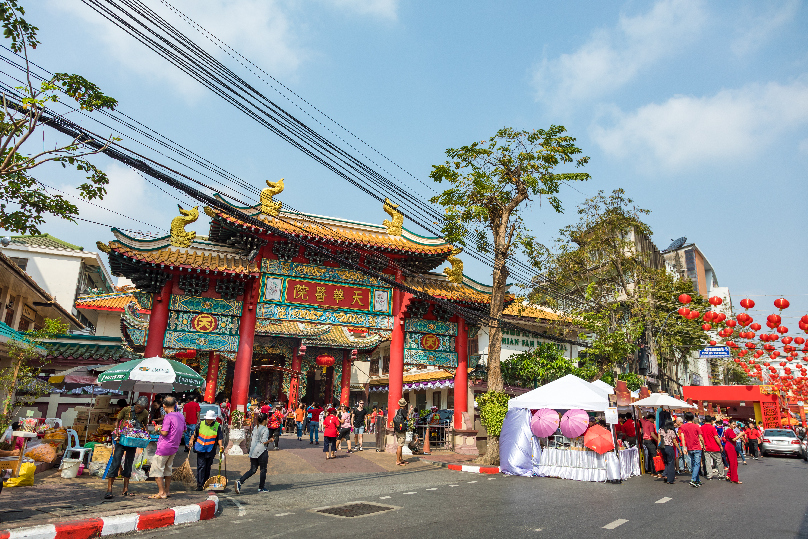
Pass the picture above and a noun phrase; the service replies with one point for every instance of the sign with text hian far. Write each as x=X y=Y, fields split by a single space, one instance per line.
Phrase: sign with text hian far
x=715 y=351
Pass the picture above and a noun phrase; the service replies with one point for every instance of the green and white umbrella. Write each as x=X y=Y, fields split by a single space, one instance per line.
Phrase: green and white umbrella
x=152 y=375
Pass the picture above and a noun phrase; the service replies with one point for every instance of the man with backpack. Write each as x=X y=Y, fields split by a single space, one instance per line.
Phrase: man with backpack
x=400 y=430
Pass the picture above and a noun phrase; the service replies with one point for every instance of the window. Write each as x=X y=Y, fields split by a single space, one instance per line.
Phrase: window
x=24 y=324
x=9 y=316
x=385 y=365
x=450 y=401
x=374 y=366
x=474 y=347
x=22 y=263
x=436 y=398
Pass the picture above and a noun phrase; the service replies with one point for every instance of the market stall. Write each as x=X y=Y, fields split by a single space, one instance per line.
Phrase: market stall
x=535 y=442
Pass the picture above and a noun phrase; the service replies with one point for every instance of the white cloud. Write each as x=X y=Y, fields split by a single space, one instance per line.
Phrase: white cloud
x=613 y=57
x=755 y=30
x=259 y=29
x=383 y=9
x=685 y=131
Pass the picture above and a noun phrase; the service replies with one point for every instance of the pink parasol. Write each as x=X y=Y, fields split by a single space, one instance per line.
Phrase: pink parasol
x=544 y=422
x=574 y=423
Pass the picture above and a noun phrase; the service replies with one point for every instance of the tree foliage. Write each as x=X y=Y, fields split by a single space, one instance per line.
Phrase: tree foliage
x=491 y=185
x=24 y=202
x=607 y=262
x=27 y=360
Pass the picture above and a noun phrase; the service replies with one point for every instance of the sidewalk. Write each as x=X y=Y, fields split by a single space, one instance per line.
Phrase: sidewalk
x=53 y=500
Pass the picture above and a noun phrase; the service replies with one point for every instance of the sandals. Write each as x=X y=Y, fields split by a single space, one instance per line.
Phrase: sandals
x=127 y=493
x=109 y=496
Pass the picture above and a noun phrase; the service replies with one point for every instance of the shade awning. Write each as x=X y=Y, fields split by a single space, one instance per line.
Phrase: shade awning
x=565 y=393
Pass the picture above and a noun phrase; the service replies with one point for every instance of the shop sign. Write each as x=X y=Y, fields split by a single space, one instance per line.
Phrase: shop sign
x=333 y=296
x=28 y=312
x=611 y=415
x=767 y=390
x=771 y=416
x=715 y=351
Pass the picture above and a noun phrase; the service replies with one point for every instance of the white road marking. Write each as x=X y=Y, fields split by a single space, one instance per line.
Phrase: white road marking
x=432 y=489
x=283 y=514
x=241 y=510
x=663 y=500
x=616 y=523
x=385 y=498
x=491 y=478
x=472 y=481
x=409 y=493
x=454 y=485
x=537 y=530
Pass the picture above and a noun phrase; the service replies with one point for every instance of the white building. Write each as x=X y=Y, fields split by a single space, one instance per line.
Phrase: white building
x=63 y=270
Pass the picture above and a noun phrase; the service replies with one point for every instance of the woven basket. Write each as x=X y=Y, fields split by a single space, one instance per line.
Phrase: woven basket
x=216 y=483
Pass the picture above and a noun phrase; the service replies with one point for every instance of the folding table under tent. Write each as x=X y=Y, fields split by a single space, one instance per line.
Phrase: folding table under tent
x=520 y=451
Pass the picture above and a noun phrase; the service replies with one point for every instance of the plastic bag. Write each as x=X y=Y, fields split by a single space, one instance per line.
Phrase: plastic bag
x=25 y=479
x=97 y=468
x=138 y=475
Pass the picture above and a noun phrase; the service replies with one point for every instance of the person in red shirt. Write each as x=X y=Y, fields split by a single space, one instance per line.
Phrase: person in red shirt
x=650 y=438
x=630 y=429
x=693 y=442
x=712 y=449
x=330 y=432
x=275 y=424
x=191 y=411
x=753 y=435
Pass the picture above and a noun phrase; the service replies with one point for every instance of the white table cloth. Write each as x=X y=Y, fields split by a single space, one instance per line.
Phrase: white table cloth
x=588 y=465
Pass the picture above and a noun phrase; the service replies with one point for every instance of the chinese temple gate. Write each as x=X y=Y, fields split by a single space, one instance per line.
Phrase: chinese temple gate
x=263 y=315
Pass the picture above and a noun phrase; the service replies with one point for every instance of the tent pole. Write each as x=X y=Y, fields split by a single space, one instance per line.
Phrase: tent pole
x=640 y=447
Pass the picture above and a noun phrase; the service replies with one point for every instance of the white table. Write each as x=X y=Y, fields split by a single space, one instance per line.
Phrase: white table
x=588 y=465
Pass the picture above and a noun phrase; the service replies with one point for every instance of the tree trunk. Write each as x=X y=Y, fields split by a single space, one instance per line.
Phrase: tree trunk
x=495 y=382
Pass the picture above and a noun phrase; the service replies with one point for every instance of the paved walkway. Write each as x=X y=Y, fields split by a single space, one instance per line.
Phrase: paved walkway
x=53 y=499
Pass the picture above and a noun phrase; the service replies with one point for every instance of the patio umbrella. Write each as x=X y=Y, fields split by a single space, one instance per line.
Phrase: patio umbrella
x=660 y=400
x=153 y=375
x=574 y=423
x=544 y=423
x=598 y=439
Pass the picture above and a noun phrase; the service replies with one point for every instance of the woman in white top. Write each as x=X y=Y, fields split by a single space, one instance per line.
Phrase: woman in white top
x=258 y=454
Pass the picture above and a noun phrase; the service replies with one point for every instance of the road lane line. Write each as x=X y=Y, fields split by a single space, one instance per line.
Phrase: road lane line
x=409 y=493
x=283 y=514
x=454 y=485
x=241 y=510
x=616 y=523
x=385 y=498
x=472 y=481
x=431 y=489
x=663 y=500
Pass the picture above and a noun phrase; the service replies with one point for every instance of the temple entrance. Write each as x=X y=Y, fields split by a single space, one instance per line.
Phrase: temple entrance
x=267 y=377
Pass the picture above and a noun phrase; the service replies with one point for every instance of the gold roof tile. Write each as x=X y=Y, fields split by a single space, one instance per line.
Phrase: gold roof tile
x=107 y=302
x=171 y=256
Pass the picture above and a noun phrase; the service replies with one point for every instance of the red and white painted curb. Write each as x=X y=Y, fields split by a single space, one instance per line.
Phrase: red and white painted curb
x=130 y=522
x=464 y=467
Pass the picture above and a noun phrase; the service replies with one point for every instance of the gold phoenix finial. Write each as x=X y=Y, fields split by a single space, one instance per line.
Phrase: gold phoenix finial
x=455 y=273
x=395 y=226
x=179 y=237
x=268 y=205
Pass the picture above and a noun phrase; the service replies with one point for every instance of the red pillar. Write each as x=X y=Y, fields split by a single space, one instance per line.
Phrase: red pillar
x=158 y=321
x=212 y=378
x=345 y=381
x=396 y=373
x=461 y=380
x=246 y=335
x=294 y=383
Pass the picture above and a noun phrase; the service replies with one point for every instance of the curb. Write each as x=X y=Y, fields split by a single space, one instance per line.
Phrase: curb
x=130 y=522
x=463 y=467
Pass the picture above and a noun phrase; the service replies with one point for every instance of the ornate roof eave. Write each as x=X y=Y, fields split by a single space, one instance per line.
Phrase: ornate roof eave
x=286 y=328
x=339 y=337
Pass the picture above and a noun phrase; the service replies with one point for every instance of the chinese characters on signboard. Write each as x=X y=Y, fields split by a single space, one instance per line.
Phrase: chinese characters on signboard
x=771 y=417
x=337 y=296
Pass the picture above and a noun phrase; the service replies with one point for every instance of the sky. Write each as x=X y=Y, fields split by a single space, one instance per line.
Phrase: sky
x=699 y=110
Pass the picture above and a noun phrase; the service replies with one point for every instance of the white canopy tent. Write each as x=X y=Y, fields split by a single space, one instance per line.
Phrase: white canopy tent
x=660 y=400
x=565 y=393
x=600 y=384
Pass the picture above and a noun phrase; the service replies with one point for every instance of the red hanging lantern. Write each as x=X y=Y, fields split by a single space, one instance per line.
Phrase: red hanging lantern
x=713 y=343
x=324 y=361
x=706 y=327
x=804 y=319
x=747 y=303
x=750 y=345
x=755 y=326
x=684 y=298
x=693 y=315
x=781 y=303
x=774 y=318
x=732 y=323
x=715 y=301
x=683 y=311
x=799 y=340
x=782 y=329
x=786 y=340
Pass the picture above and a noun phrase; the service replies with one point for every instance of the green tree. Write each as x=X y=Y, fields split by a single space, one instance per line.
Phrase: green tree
x=536 y=366
x=27 y=359
x=491 y=185
x=24 y=203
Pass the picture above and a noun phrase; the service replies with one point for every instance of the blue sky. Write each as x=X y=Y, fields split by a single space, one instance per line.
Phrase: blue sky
x=699 y=110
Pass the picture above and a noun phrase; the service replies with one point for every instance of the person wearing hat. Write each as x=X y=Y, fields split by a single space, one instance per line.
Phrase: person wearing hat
x=135 y=416
x=206 y=441
x=400 y=429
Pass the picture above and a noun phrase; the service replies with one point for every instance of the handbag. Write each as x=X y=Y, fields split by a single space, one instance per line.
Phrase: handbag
x=659 y=464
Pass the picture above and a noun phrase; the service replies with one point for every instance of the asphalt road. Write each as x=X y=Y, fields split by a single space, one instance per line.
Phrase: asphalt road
x=427 y=503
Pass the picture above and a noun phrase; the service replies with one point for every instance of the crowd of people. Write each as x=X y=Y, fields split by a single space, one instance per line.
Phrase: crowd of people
x=710 y=449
